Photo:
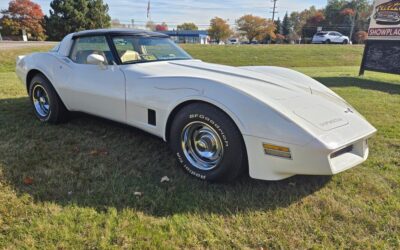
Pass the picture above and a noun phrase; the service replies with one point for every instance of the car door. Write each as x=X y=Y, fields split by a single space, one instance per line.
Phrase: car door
x=331 y=37
x=94 y=89
x=338 y=38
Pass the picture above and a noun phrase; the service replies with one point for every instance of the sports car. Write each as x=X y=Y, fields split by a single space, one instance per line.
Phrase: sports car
x=219 y=121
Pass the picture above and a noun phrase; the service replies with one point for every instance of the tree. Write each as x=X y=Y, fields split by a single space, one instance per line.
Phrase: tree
x=254 y=27
x=278 y=25
x=161 y=27
x=316 y=19
x=187 y=26
x=219 y=29
x=279 y=38
x=23 y=15
x=351 y=17
x=115 y=23
x=286 y=25
x=332 y=11
x=361 y=36
x=299 y=25
x=67 y=16
x=150 y=25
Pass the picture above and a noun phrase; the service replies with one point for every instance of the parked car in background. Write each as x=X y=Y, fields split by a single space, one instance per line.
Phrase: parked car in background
x=233 y=41
x=247 y=42
x=330 y=37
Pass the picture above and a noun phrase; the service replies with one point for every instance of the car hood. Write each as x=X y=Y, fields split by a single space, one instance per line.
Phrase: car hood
x=259 y=84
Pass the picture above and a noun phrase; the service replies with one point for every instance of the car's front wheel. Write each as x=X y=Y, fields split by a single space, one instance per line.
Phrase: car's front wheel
x=46 y=104
x=207 y=143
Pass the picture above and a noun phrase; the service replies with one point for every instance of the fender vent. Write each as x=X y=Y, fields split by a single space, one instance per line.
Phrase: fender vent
x=151 y=116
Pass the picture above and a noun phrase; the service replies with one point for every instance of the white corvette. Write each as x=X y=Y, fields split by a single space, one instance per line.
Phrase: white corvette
x=219 y=121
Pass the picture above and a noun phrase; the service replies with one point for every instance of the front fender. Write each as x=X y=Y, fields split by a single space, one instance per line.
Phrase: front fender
x=253 y=117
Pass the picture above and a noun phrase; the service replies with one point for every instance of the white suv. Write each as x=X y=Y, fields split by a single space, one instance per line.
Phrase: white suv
x=330 y=37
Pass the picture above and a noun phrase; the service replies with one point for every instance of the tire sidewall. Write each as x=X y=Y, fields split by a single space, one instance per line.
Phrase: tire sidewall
x=231 y=142
x=40 y=81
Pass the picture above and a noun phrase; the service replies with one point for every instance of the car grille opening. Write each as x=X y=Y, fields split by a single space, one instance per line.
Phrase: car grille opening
x=342 y=151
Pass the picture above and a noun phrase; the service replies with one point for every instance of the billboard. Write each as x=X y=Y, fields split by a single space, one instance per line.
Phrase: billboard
x=385 y=20
x=382 y=49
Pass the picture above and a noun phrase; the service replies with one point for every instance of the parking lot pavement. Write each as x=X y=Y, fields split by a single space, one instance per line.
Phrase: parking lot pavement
x=17 y=45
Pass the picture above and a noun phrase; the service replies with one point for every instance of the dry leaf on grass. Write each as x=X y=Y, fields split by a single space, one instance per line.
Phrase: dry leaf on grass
x=28 y=180
x=98 y=152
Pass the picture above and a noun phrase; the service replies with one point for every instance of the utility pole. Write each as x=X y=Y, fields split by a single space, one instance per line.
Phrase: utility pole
x=274 y=10
x=133 y=23
x=273 y=15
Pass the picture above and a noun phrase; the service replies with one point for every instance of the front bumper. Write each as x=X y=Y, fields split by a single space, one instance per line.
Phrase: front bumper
x=310 y=159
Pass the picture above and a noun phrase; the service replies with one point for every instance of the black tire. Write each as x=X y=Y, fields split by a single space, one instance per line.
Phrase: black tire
x=233 y=160
x=345 y=42
x=328 y=41
x=56 y=112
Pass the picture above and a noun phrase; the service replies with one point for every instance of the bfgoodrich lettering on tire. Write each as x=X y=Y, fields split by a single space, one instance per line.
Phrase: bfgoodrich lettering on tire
x=207 y=143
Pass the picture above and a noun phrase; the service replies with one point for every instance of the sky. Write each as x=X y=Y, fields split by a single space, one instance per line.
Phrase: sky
x=174 y=12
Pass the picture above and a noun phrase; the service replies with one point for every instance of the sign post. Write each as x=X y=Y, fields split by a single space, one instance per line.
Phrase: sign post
x=382 y=49
x=24 y=36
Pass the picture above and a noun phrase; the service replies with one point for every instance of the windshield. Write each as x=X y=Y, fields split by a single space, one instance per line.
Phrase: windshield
x=56 y=48
x=133 y=49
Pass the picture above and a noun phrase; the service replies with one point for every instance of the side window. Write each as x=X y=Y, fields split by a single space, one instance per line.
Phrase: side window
x=84 y=46
x=332 y=34
x=125 y=49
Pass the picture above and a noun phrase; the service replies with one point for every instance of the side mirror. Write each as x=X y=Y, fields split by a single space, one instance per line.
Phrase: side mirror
x=95 y=59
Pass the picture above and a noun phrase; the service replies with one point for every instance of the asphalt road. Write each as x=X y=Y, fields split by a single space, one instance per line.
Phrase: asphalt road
x=4 y=45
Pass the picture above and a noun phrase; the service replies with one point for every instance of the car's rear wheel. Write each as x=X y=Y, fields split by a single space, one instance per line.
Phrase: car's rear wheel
x=328 y=41
x=207 y=143
x=46 y=104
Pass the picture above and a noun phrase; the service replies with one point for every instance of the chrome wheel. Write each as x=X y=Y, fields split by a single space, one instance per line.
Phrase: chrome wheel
x=202 y=146
x=41 y=101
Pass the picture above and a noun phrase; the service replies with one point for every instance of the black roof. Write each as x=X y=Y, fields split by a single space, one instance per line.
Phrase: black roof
x=118 y=32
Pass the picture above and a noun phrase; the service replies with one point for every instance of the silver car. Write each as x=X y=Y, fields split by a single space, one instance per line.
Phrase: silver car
x=330 y=37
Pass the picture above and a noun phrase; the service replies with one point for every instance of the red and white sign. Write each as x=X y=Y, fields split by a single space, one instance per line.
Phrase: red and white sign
x=385 y=20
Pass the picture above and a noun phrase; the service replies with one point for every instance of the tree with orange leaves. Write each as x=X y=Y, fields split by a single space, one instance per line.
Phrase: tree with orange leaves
x=219 y=29
x=351 y=14
x=256 y=28
x=316 y=19
x=23 y=15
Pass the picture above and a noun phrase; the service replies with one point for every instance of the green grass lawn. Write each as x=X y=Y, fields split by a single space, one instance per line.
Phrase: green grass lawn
x=72 y=186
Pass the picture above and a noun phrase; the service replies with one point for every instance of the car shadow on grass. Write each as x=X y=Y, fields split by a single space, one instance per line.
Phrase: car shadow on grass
x=390 y=88
x=92 y=162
